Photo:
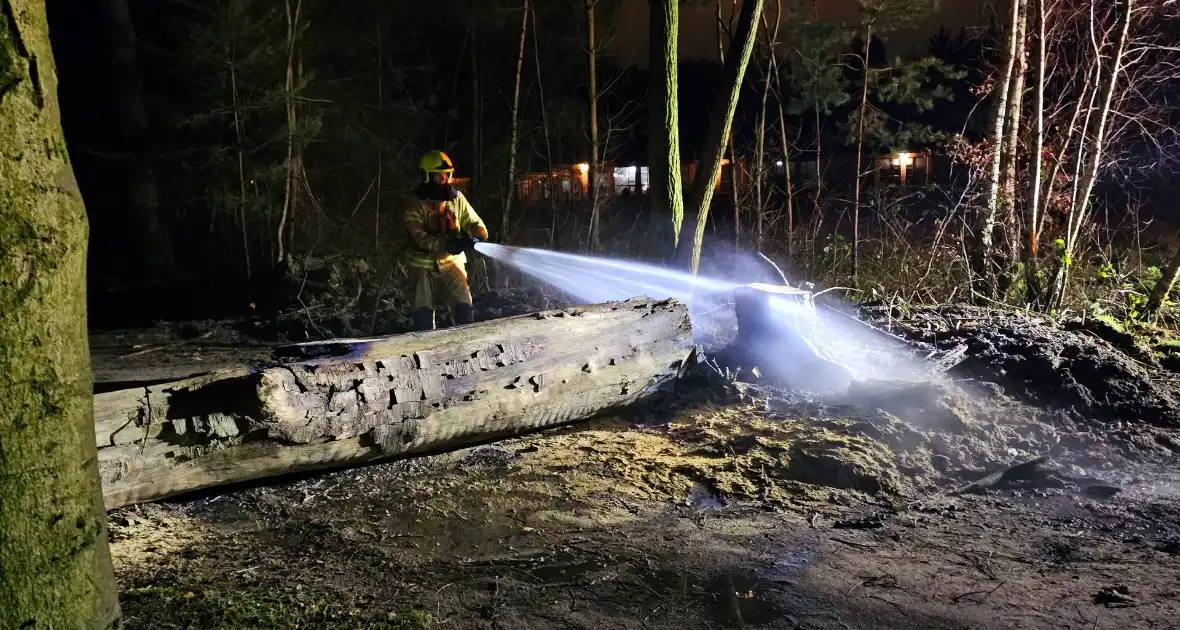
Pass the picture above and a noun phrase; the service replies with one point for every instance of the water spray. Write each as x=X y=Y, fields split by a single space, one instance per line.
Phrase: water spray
x=777 y=325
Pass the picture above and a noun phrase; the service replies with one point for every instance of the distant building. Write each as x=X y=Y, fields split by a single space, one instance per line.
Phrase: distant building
x=572 y=181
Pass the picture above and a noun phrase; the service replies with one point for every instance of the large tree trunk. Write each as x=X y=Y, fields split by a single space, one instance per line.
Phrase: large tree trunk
x=365 y=400
x=663 y=144
x=143 y=207
x=700 y=196
x=54 y=560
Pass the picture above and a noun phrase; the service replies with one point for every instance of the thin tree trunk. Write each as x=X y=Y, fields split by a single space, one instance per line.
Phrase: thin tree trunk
x=1163 y=286
x=595 y=153
x=760 y=163
x=667 y=192
x=991 y=210
x=143 y=207
x=1078 y=218
x=380 y=153
x=733 y=165
x=1032 y=213
x=476 y=120
x=721 y=120
x=1080 y=105
x=510 y=184
x=291 y=189
x=860 y=142
x=54 y=554
x=545 y=132
x=786 y=145
x=1010 y=161
x=240 y=138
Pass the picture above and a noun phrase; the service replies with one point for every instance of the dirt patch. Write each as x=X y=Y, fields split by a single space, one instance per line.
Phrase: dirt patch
x=891 y=505
x=1089 y=368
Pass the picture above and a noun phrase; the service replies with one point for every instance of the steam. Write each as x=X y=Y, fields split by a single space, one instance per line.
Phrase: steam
x=835 y=338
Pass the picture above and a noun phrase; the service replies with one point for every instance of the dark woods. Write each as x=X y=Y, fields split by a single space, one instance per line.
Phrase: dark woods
x=227 y=147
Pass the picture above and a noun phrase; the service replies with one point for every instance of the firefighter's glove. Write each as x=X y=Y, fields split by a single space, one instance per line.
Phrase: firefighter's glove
x=460 y=244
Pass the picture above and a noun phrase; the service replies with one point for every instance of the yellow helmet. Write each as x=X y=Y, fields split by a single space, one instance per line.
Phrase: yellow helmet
x=436 y=162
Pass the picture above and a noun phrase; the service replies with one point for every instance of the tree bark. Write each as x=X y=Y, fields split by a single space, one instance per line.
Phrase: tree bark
x=347 y=402
x=55 y=565
x=700 y=196
x=1010 y=161
x=143 y=207
x=665 y=176
x=663 y=144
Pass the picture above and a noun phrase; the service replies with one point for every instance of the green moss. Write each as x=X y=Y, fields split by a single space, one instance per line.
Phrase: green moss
x=261 y=608
x=56 y=565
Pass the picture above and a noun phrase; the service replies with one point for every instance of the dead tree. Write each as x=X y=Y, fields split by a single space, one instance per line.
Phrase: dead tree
x=347 y=402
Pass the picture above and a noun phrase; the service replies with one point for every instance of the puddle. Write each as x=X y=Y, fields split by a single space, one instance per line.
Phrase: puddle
x=702 y=498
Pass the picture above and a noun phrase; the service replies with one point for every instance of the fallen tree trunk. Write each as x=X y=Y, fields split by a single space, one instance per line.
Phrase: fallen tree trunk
x=348 y=402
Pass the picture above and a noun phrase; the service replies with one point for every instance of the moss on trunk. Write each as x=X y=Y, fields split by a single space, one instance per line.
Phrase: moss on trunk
x=55 y=567
x=663 y=144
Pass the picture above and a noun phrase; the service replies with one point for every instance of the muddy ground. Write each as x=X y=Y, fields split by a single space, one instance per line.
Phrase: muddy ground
x=1034 y=485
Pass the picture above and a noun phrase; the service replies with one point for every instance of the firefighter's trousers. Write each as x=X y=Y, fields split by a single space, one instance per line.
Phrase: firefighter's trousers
x=448 y=284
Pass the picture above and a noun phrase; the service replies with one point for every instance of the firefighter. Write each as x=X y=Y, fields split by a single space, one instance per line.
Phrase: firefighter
x=442 y=227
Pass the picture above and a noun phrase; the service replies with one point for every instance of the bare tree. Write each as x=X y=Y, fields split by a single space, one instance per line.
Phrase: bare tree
x=720 y=122
x=510 y=184
x=1095 y=149
x=56 y=564
x=760 y=165
x=294 y=153
x=595 y=153
x=1034 y=210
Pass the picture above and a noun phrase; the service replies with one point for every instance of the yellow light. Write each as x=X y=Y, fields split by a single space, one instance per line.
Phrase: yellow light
x=583 y=167
x=904 y=159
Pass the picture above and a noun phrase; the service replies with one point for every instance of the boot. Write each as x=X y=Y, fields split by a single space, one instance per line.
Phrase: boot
x=463 y=314
x=423 y=318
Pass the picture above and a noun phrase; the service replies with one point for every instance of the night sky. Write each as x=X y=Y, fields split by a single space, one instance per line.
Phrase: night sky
x=698 y=37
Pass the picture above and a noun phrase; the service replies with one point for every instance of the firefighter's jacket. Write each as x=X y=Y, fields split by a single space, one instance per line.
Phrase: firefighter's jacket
x=431 y=223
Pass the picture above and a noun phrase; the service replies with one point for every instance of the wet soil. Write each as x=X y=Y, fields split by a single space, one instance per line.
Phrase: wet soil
x=1035 y=485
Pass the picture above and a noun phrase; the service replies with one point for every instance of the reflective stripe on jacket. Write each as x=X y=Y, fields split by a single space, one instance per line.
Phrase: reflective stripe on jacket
x=431 y=223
